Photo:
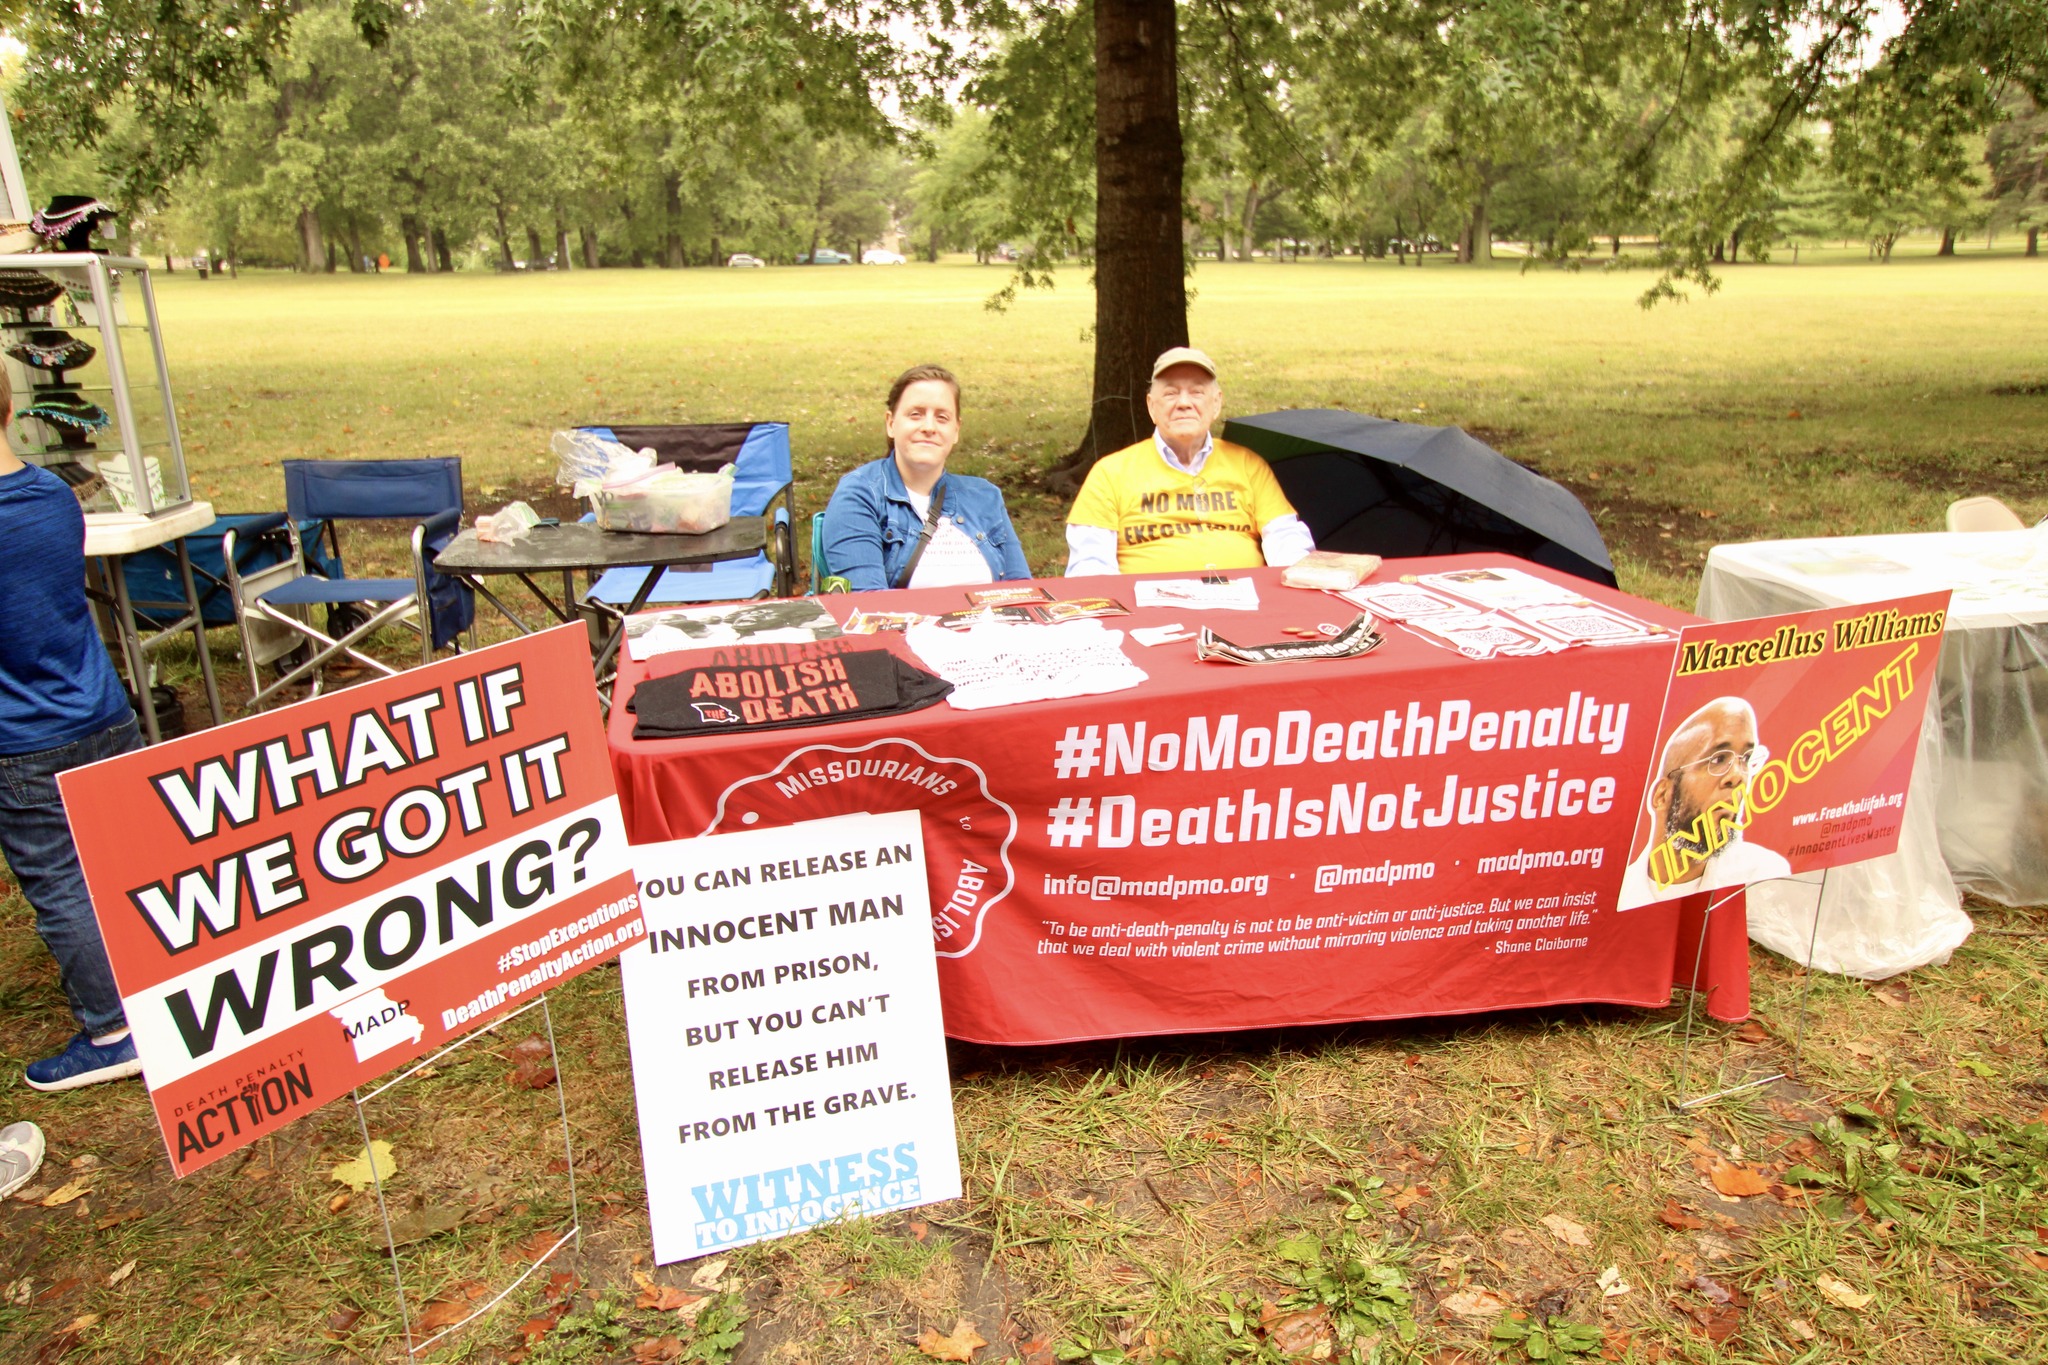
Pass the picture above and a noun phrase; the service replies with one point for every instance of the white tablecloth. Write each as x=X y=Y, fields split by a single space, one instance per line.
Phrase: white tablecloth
x=1977 y=813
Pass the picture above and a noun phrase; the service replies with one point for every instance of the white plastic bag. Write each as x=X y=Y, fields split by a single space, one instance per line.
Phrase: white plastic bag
x=508 y=523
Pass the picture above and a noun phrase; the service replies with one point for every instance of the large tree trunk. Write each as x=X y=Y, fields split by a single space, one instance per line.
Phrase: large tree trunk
x=2033 y=241
x=409 y=227
x=1948 y=242
x=443 y=258
x=672 y=236
x=1475 y=247
x=504 y=240
x=312 y=250
x=589 y=237
x=561 y=244
x=1141 y=298
x=533 y=251
x=1247 y=234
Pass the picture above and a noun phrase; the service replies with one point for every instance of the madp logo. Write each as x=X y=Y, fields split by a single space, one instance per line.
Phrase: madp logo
x=967 y=830
x=715 y=713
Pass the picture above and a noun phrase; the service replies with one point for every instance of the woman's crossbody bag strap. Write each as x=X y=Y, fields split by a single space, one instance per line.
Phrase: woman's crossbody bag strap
x=924 y=537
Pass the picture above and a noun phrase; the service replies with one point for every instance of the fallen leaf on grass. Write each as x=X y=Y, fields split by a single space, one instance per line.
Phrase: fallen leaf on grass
x=1716 y=1321
x=657 y=1350
x=1716 y=1248
x=920 y=1230
x=1408 y=1196
x=1306 y=1333
x=1566 y=1231
x=1478 y=1305
x=1612 y=1286
x=68 y=1191
x=442 y=1314
x=1672 y=1216
x=531 y=1075
x=339 y=1202
x=1801 y=1328
x=80 y=1323
x=342 y=1321
x=533 y=1329
x=1894 y=993
x=533 y=1045
x=1037 y=1351
x=1864 y=1049
x=1752 y=1032
x=20 y=1292
x=535 y=1246
x=664 y=1298
x=115 y=1220
x=121 y=1274
x=373 y=1164
x=1614 y=1344
x=422 y=1223
x=58 y=1290
x=2037 y=1259
x=1737 y=1181
x=708 y=1275
x=960 y=1344
x=1837 y=1292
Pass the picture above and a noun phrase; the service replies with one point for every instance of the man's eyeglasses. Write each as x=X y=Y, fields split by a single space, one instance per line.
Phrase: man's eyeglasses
x=1721 y=762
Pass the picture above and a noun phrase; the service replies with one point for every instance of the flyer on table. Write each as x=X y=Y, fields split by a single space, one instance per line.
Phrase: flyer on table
x=299 y=902
x=1785 y=746
x=783 y=1013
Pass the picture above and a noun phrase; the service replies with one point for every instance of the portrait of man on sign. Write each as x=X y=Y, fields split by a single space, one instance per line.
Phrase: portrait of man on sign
x=1699 y=806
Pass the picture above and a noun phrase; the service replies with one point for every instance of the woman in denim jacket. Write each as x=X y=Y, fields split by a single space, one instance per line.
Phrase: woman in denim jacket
x=880 y=511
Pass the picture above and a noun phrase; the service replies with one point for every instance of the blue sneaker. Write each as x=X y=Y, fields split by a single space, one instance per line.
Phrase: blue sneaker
x=84 y=1062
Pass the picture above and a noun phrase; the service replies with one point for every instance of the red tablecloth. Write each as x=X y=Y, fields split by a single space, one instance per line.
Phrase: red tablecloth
x=1405 y=833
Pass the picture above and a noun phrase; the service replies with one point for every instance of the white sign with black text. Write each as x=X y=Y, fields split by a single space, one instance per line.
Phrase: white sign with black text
x=789 y=1060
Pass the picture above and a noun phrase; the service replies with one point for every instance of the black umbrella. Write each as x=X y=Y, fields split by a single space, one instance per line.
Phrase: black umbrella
x=1371 y=486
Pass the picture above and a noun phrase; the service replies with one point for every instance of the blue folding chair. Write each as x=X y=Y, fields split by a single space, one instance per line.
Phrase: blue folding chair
x=156 y=593
x=427 y=492
x=822 y=577
x=762 y=486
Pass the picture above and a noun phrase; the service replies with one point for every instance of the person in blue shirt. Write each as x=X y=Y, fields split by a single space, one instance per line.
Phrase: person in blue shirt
x=61 y=706
x=902 y=521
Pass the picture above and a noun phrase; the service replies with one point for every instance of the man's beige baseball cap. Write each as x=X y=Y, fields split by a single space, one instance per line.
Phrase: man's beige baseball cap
x=1183 y=355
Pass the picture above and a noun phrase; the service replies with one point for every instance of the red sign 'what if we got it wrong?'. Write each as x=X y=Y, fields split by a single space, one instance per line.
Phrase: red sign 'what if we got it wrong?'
x=301 y=901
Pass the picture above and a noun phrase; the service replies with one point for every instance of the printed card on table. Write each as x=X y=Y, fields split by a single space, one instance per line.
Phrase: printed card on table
x=789 y=1059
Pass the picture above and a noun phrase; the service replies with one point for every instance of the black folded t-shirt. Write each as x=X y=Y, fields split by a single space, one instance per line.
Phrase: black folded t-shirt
x=774 y=696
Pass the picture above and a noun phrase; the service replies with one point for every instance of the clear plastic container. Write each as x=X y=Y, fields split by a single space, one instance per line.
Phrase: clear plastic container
x=667 y=501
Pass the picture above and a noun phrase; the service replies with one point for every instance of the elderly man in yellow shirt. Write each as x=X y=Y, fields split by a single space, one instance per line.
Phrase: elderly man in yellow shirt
x=1182 y=500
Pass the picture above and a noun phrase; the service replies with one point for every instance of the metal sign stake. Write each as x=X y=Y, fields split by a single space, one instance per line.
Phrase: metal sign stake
x=575 y=1232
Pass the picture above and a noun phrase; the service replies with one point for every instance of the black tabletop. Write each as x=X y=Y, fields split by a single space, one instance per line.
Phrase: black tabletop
x=581 y=545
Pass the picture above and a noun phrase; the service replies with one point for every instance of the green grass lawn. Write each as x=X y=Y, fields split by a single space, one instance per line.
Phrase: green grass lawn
x=1835 y=398
x=1209 y=1199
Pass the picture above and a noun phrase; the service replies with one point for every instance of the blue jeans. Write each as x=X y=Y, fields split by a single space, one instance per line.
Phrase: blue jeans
x=37 y=842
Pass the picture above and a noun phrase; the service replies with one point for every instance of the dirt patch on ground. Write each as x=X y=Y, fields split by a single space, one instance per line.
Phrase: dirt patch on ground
x=1654 y=531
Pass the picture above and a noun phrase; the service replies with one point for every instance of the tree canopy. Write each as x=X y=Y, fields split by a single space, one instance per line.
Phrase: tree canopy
x=1134 y=135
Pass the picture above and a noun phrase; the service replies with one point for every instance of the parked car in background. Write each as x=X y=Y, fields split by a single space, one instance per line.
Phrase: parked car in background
x=741 y=258
x=877 y=256
x=822 y=256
